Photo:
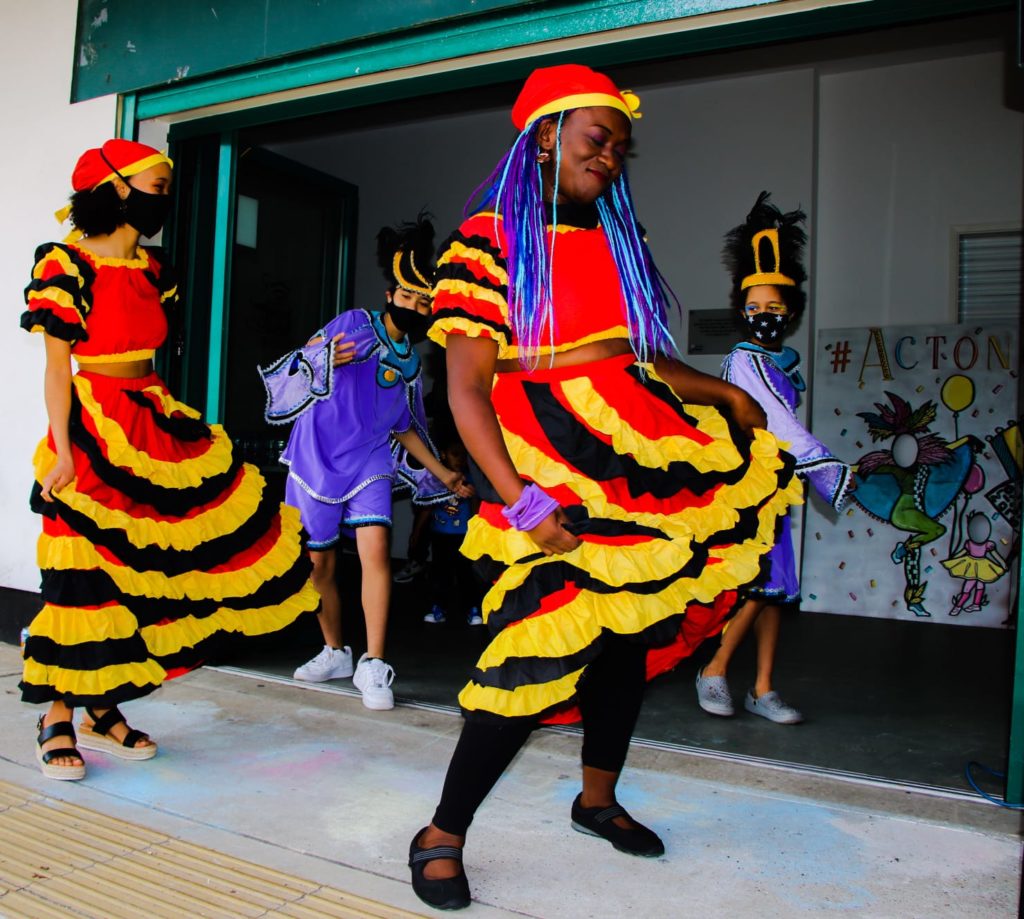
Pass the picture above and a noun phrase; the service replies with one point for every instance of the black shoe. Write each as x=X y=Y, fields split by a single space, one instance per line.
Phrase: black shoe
x=443 y=893
x=597 y=821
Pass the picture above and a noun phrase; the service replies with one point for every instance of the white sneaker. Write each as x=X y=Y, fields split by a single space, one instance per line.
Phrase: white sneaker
x=373 y=679
x=329 y=664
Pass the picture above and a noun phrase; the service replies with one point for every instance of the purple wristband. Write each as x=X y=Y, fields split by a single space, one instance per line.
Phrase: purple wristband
x=531 y=508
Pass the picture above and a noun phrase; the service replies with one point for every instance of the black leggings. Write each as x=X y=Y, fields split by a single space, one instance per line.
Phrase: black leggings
x=609 y=698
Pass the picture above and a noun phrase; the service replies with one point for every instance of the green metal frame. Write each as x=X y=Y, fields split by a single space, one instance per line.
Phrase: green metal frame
x=527 y=26
x=220 y=297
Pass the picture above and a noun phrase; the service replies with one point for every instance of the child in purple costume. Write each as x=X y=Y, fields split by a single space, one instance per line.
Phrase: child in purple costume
x=764 y=257
x=360 y=433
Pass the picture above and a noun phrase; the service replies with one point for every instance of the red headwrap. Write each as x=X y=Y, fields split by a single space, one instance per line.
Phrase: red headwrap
x=549 y=90
x=96 y=166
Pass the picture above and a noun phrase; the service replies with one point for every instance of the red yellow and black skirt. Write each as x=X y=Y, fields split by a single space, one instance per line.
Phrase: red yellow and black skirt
x=163 y=542
x=680 y=508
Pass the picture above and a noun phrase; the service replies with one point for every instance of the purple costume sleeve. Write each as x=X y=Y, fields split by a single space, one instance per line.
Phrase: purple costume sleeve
x=765 y=382
x=297 y=380
x=341 y=444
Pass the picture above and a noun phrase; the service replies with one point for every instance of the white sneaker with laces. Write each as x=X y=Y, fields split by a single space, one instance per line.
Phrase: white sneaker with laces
x=373 y=678
x=329 y=664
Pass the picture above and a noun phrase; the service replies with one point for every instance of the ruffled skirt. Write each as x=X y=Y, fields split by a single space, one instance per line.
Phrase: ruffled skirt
x=681 y=506
x=163 y=542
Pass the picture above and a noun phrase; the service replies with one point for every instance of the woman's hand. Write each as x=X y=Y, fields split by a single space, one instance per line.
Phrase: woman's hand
x=551 y=536
x=746 y=412
x=62 y=473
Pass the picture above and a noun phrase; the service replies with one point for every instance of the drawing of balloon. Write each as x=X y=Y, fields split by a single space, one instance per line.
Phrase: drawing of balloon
x=975 y=480
x=957 y=394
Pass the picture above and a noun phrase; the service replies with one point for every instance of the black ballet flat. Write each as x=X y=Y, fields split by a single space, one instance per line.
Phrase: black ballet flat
x=442 y=893
x=597 y=821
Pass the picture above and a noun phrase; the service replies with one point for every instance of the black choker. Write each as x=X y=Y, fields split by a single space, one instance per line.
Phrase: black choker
x=583 y=216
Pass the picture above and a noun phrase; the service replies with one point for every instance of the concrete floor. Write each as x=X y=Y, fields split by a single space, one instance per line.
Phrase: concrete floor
x=310 y=783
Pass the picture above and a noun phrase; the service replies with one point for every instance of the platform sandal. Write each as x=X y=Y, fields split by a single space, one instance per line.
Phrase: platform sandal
x=441 y=893
x=95 y=737
x=51 y=770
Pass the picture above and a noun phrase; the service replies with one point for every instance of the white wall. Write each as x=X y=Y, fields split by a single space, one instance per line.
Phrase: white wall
x=907 y=152
x=44 y=135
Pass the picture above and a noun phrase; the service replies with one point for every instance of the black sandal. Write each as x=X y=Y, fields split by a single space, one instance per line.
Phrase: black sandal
x=598 y=821
x=441 y=893
x=61 y=773
x=94 y=737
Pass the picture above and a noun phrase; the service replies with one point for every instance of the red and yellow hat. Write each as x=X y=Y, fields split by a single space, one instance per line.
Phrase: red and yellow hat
x=99 y=165
x=549 y=90
x=102 y=164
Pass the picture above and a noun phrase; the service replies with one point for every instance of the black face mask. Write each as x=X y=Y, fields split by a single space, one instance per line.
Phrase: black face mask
x=767 y=328
x=145 y=211
x=413 y=324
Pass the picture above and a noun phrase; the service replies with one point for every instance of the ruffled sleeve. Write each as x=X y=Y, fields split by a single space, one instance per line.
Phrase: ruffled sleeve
x=814 y=461
x=59 y=297
x=471 y=285
x=163 y=276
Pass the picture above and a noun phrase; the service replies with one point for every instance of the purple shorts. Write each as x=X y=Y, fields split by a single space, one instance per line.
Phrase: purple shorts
x=370 y=506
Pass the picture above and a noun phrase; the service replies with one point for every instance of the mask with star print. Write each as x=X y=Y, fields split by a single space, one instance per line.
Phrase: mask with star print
x=767 y=328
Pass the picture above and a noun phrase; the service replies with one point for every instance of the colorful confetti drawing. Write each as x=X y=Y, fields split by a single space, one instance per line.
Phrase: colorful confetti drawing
x=933 y=431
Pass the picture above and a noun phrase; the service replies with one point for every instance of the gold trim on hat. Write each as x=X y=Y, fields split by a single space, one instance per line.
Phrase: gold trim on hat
x=422 y=288
x=773 y=277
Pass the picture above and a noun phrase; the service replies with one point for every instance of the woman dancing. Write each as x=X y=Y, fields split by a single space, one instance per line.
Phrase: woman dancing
x=615 y=493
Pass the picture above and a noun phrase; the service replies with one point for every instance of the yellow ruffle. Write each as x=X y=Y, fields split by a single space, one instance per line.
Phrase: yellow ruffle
x=699 y=523
x=189 y=631
x=439 y=330
x=719 y=456
x=183 y=534
x=523 y=700
x=470 y=291
x=99 y=682
x=575 y=625
x=54 y=295
x=182 y=473
x=476 y=256
x=74 y=625
x=64 y=553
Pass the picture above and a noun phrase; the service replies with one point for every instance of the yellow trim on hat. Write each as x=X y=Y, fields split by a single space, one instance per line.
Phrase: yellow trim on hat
x=775 y=278
x=421 y=288
x=138 y=166
x=627 y=102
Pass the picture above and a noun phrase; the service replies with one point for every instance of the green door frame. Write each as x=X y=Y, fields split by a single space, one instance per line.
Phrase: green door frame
x=518 y=38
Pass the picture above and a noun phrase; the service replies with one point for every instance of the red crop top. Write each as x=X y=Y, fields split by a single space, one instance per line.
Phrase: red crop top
x=109 y=309
x=471 y=287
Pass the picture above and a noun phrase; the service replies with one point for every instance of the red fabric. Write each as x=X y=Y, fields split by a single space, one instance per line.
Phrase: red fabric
x=549 y=84
x=127 y=314
x=91 y=170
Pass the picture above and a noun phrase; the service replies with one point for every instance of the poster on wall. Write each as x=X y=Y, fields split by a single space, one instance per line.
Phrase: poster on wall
x=928 y=415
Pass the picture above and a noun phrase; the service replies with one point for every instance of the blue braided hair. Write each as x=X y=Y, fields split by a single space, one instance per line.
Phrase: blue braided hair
x=515 y=187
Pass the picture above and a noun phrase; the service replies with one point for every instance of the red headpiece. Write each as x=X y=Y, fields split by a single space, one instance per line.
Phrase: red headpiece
x=549 y=90
x=101 y=164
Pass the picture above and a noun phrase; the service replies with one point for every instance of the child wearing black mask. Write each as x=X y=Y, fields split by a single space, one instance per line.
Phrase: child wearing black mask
x=763 y=255
x=355 y=393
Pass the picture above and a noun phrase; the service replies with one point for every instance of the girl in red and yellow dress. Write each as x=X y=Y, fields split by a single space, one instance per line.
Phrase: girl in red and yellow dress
x=626 y=497
x=156 y=538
